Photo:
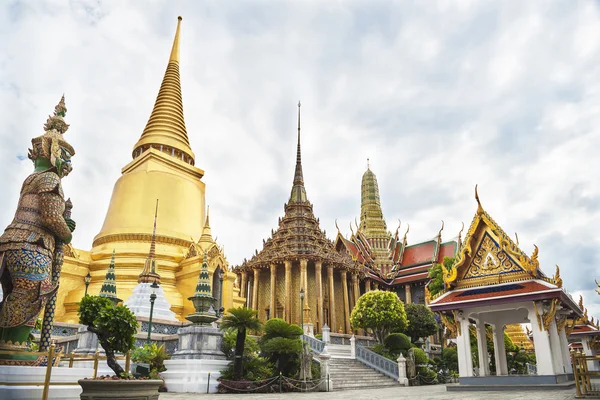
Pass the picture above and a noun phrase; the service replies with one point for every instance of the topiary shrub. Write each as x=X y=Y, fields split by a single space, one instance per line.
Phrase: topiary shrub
x=397 y=343
x=420 y=357
x=115 y=327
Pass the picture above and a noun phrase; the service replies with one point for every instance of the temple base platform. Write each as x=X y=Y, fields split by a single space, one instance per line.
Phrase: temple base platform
x=27 y=383
x=514 y=382
x=192 y=376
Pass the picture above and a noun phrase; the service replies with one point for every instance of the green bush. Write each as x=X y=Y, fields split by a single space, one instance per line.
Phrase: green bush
x=397 y=343
x=251 y=347
x=153 y=355
x=115 y=327
x=281 y=343
x=382 y=351
x=254 y=369
x=420 y=357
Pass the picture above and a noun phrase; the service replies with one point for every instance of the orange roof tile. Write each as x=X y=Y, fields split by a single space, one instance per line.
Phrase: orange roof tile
x=418 y=254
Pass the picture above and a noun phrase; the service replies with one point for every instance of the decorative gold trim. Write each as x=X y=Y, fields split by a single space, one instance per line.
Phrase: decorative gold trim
x=457 y=322
x=140 y=237
x=548 y=316
x=537 y=314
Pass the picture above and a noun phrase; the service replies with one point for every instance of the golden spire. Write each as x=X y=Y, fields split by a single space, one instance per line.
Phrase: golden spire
x=149 y=273
x=206 y=232
x=165 y=129
x=298 y=191
x=372 y=223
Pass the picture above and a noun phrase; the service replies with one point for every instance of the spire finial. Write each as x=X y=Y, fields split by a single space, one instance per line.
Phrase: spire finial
x=298 y=191
x=207 y=214
x=109 y=286
x=165 y=129
x=175 y=50
x=479 y=207
x=368 y=163
x=149 y=273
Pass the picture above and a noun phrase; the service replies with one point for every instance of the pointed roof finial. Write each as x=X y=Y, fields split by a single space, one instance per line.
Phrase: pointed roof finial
x=298 y=194
x=479 y=207
x=517 y=238
x=166 y=126
x=175 y=49
x=109 y=286
x=149 y=273
x=441 y=229
x=368 y=163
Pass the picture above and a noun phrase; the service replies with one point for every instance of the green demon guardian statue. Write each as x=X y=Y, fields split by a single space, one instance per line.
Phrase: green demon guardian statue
x=31 y=247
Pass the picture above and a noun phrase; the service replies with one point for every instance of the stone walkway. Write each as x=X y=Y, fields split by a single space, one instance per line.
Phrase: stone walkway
x=437 y=392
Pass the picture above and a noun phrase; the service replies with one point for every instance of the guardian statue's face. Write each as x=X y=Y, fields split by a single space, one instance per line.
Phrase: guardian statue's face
x=62 y=162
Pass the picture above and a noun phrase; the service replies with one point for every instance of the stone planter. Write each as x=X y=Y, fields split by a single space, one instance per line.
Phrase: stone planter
x=121 y=390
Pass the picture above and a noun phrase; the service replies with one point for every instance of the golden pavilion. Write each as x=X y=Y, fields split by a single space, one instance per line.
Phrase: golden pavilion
x=163 y=168
x=298 y=256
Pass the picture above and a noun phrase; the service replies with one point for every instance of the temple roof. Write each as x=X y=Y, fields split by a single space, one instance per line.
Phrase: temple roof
x=298 y=234
x=166 y=125
x=491 y=268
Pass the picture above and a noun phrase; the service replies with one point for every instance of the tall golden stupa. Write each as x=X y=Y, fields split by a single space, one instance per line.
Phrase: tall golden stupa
x=518 y=336
x=163 y=168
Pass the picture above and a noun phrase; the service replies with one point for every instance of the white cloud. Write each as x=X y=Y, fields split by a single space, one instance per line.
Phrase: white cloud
x=439 y=95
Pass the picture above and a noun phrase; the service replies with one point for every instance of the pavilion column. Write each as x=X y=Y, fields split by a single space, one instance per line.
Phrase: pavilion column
x=557 y=360
x=255 y=289
x=356 y=288
x=344 y=277
x=288 y=291
x=244 y=286
x=272 y=305
x=319 y=281
x=332 y=320
x=564 y=350
x=499 y=349
x=463 y=347
x=367 y=285
x=408 y=294
x=588 y=351
x=543 y=349
x=484 y=363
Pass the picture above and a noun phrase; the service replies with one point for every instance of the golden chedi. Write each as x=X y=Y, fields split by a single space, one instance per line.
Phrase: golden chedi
x=163 y=168
x=518 y=336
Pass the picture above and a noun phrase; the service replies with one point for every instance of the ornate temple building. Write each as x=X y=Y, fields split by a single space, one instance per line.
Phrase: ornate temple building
x=162 y=168
x=298 y=256
x=390 y=263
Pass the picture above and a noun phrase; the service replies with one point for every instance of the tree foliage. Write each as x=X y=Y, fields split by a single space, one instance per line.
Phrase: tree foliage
x=383 y=312
x=115 y=327
x=242 y=320
x=251 y=347
x=397 y=343
x=436 y=274
x=281 y=343
x=421 y=322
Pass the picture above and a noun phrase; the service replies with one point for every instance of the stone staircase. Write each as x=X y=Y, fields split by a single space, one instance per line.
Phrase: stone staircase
x=347 y=374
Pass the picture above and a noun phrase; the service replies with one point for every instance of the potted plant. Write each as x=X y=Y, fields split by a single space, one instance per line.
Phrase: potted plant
x=115 y=327
x=154 y=356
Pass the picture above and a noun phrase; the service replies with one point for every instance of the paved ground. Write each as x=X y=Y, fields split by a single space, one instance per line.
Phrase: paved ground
x=437 y=392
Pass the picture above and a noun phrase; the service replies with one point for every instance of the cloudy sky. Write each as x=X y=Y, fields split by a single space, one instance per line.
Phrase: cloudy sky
x=440 y=95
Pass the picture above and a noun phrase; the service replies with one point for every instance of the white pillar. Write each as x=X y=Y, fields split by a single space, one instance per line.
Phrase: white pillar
x=326 y=383
x=499 y=350
x=463 y=344
x=557 y=358
x=353 y=347
x=484 y=367
x=402 y=379
x=325 y=332
x=543 y=350
x=564 y=350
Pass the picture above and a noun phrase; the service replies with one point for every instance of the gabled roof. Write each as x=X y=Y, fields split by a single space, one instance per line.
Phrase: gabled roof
x=490 y=268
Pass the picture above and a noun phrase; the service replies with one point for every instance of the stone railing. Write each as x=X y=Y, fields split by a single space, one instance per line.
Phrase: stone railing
x=315 y=344
x=342 y=338
x=377 y=362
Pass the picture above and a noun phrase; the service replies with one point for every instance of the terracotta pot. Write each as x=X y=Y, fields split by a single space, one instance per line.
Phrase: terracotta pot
x=122 y=390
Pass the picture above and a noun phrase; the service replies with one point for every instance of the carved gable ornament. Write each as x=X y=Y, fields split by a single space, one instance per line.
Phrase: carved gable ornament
x=490 y=260
x=488 y=256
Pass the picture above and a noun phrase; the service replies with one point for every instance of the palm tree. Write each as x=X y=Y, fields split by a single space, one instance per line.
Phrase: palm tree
x=241 y=319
